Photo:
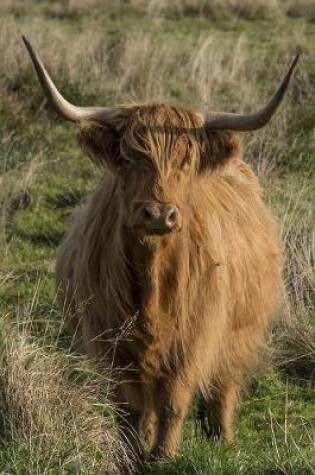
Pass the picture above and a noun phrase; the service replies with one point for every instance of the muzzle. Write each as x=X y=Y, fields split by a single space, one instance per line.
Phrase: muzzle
x=157 y=218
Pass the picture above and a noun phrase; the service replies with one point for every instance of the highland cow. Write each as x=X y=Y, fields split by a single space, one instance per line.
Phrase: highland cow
x=171 y=271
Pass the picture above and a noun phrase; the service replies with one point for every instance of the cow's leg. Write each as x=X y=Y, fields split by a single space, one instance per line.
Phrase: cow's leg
x=174 y=398
x=208 y=410
x=129 y=432
x=131 y=406
x=217 y=411
x=148 y=427
x=228 y=404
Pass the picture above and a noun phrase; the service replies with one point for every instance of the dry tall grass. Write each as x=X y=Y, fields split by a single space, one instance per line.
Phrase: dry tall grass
x=216 y=71
x=55 y=405
x=295 y=337
x=42 y=400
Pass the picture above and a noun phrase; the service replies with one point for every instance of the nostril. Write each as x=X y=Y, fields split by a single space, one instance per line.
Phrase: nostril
x=151 y=212
x=147 y=213
x=171 y=217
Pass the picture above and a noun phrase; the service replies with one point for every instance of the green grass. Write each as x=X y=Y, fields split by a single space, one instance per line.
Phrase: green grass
x=43 y=176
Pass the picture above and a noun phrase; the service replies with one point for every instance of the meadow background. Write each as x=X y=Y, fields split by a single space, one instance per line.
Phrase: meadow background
x=55 y=414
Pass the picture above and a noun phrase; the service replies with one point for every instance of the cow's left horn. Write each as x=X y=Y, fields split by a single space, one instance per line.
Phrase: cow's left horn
x=60 y=104
x=247 y=122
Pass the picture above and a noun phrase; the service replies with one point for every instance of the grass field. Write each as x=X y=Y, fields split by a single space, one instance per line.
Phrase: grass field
x=55 y=414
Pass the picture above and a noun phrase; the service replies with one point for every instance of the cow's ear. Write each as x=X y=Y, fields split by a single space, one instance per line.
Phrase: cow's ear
x=101 y=142
x=220 y=146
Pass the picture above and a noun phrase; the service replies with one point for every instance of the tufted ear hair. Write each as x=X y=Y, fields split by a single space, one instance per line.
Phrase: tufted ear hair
x=220 y=146
x=101 y=142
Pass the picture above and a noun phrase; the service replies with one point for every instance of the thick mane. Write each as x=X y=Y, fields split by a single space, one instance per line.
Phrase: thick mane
x=183 y=311
x=95 y=244
x=134 y=288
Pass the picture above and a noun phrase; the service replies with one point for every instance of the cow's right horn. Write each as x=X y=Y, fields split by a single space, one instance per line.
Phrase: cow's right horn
x=256 y=120
x=64 y=108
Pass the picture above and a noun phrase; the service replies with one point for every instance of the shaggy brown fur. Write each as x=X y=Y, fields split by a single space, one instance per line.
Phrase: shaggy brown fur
x=180 y=313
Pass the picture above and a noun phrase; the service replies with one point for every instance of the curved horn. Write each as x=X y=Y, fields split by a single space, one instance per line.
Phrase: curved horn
x=64 y=108
x=248 y=122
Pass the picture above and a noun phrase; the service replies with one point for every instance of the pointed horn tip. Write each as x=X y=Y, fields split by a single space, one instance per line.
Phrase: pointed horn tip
x=292 y=68
x=295 y=60
x=25 y=41
x=27 y=45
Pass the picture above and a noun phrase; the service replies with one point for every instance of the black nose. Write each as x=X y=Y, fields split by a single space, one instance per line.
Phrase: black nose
x=159 y=218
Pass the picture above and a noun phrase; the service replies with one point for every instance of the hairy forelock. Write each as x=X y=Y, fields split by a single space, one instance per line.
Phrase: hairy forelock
x=159 y=133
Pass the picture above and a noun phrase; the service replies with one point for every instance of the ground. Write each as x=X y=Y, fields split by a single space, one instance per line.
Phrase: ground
x=230 y=55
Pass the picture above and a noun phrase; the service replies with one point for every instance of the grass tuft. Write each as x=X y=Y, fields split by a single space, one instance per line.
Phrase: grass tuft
x=55 y=415
x=54 y=410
